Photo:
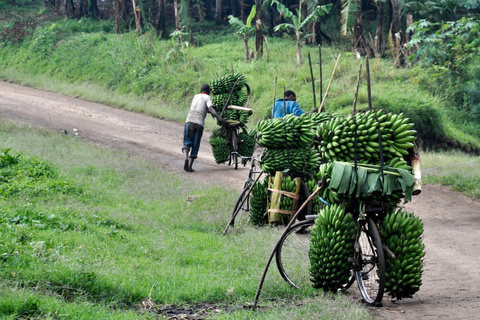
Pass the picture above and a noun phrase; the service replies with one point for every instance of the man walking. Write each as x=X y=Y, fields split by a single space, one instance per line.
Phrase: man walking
x=192 y=136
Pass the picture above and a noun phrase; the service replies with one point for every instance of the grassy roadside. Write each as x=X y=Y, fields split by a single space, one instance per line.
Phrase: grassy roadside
x=89 y=232
x=158 y=77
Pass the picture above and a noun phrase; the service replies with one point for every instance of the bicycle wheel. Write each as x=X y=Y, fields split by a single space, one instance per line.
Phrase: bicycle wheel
x=242 y=205
x=371 y=276
x=292 y=256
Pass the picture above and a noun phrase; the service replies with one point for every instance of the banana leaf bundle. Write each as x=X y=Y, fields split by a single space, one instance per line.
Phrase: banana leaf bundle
x=368 y=180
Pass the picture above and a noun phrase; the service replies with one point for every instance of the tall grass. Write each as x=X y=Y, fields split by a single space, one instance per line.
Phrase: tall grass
x=83 y=225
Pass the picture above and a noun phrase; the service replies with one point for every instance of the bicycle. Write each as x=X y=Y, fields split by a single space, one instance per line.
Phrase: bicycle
x=232 y=134
x=243 y=201
x=368 y=261
x=242 y=205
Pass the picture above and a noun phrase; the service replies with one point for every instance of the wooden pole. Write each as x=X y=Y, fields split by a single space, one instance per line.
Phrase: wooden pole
x=313 y=81
x=274 y=96
x=321 y=73
x=329 y=83
x=284 y=102
x=367 y=67
x=262 y=279
x=356 y=91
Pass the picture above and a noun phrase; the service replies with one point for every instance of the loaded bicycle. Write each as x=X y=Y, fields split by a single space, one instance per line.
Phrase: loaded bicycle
x=367 y=264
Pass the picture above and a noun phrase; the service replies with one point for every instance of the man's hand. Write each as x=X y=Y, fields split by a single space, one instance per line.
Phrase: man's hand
x=315 y=109
x=222 y=121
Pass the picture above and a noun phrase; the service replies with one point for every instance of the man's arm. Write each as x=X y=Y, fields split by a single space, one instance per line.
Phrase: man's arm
x=214 y=113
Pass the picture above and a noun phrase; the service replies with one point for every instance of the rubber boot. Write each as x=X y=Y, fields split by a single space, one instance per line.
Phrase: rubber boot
x=185 y=153
x=190 y=164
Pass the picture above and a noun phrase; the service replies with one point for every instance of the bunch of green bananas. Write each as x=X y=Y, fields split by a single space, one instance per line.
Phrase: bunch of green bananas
x=220 y=149
x=316 y=202
x=288 y=132
x=317 y=118
x=239 y=98
x=289 y=185
x=331 y=246
x=401 y=232
x=235 y=115
x=305 y=160
x=246 y=144
x=337 y=136
x=224 y=84
x=258 y=203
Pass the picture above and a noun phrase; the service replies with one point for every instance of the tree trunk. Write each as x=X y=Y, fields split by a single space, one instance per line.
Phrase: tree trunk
x=93 y=11
x=120 y=13
x=299 y=48
x=245 y=48
x=218 y=10
x=177 y=16
x=259 y=28
x=378 y=45
x=397 y=33
x=56 y=10
x=137 y=16
x=408 y=35
x=82 y=8
x=361 y=44
x=70 y=8
x=161 y=18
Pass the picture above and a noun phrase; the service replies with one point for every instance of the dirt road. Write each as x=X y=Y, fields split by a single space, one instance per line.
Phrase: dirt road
x=451 y=279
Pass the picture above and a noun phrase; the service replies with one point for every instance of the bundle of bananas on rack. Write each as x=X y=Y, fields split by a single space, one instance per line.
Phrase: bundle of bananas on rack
x=224 y=84
x=221 y=88
x=401 y=232
x=331 y=247
x=220 y=149
x=304 y=160
x=339 y=137
x=246 y=145
x=316 y=202
x=288 y=132
x=258 y=203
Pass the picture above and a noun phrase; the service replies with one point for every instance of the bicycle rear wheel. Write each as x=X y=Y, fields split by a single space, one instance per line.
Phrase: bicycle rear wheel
x=293 y=254
x=371 y=276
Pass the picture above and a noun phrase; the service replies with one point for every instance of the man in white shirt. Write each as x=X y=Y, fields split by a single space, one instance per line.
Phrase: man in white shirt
x=192 y=136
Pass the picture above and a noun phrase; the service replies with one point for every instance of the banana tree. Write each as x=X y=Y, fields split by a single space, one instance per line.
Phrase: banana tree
x=299 y=23
x=244 y=29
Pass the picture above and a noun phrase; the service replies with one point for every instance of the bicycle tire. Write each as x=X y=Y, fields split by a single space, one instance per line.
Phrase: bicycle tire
x=371 y=276
x=242 y=204
x=293 y=254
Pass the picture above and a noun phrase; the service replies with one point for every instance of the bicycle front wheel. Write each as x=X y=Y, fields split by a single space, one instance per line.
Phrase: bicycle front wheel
x=371 y=276
x=293 y=254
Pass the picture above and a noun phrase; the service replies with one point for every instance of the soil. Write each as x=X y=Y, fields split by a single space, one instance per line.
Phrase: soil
x=451 y=278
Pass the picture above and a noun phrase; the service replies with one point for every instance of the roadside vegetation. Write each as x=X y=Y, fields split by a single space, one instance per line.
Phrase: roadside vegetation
x=90 y=233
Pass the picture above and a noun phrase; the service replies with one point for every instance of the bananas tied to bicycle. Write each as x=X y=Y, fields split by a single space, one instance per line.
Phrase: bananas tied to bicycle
x=338 y=137
x=288 y=132
x=330 y=248
x=402 y=233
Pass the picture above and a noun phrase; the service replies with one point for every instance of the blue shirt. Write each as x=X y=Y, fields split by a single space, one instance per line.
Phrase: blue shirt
x=290 y=107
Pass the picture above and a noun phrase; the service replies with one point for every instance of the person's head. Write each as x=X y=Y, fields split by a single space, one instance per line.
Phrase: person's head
x=205 y=89
x=289 y=95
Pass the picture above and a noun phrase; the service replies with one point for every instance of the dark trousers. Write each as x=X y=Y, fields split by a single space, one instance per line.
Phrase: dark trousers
x=192 y=136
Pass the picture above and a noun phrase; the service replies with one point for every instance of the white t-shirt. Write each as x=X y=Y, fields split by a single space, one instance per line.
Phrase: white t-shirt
x=199 y=108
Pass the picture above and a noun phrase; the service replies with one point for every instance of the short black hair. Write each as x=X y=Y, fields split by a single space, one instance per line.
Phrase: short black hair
x=289 y=93
x=205 y=88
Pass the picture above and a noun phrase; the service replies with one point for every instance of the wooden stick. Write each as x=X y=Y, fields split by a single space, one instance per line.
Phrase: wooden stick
x=274 y=96
x=356 y=91
x=367 y=67
x=329 y=83
x=262 y=279
x=313 y=82
x=284 y=102
x=229 y=97
x=321 y=73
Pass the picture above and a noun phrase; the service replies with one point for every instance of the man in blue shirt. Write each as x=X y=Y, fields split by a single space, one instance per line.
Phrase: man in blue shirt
x=288 y=105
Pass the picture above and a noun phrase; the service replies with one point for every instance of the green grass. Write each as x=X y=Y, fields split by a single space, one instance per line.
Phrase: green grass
x=159 y=77
x=86 y=226
x=453 y=169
